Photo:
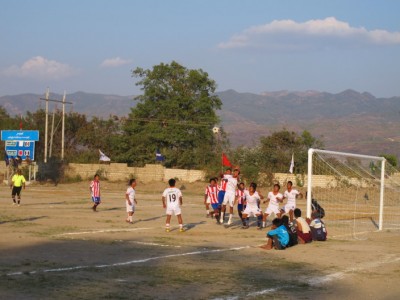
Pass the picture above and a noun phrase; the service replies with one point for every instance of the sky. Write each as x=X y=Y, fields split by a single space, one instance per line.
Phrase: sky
x=249 y=46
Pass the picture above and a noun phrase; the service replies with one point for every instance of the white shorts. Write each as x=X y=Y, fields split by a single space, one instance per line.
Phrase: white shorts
x=272 y=209
x=288 y=207
x=208 y=201
x=176 y=210
x=130 y=208
x=252 y=211
x=229 y=198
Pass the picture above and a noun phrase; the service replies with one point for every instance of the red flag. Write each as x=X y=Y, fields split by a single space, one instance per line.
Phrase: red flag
x=225 y=161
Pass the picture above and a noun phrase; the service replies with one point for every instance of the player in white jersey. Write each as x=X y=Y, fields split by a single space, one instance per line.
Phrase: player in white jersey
x=274 y=198
x=172 y=201
x=252 y=198
x=229 y=197
x=291 y=195
x=130 y=200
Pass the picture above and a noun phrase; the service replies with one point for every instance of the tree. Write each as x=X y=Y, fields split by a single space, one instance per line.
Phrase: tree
x=391 y=159
x=175 y=114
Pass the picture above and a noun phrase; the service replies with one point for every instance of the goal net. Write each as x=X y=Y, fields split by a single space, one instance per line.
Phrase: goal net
x=359 y=193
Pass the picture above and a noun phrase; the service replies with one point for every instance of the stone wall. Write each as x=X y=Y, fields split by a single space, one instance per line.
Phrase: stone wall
x=117 y=171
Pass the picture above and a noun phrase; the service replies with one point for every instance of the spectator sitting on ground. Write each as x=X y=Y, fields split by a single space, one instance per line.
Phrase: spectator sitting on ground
x=318 y=229
x=278 y=237
x=303 y=229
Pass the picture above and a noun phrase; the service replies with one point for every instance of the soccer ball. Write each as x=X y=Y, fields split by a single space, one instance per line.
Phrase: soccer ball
x=215 y=130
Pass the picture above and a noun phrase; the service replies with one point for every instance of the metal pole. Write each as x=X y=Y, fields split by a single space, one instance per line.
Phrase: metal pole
x=382 y=195
x=52 y=134
x=309 y=181
x=46 y=124
x=63 y=126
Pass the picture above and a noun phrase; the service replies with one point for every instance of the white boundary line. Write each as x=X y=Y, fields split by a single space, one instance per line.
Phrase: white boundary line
x=318 y=280
x=155 y=244
x=126 y=263
x=103 y=231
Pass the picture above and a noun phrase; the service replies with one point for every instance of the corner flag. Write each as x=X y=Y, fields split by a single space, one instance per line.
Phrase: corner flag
x=103 y=157
x=225 y=161
x=291 y=165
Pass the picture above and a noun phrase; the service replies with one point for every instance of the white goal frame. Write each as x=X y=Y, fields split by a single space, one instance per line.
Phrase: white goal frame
x=311 y=152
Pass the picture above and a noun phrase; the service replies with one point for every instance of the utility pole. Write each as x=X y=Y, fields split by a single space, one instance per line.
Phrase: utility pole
x=63 y=123
x=63 y=126
x=52 y=134
x=46 y=126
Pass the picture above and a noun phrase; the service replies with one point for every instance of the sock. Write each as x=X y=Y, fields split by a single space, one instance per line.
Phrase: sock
x=167 y=225
x=180 y=226
x=259 y=220
x=208 y=211
x=131 y=219
x=222 y=217
x=263 y=223
x=230 y=218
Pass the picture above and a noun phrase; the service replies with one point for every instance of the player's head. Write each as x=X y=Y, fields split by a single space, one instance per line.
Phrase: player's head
x=96 y=177
x=297 y=212
x=236 y=173
x=285 y=220
x=253 y=187
x=213 y=181
x=19 y=171
x=228 y=171
x=277 y=187
x=289 y=184
x=132 y=182
x=241 y=186
x=315 y=215
x=172 y=182
x=277 y=222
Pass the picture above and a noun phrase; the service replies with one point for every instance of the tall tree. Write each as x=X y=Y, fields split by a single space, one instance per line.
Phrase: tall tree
x=175 y=114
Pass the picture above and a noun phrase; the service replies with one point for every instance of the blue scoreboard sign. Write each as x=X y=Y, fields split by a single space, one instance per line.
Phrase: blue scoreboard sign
x=20 y=142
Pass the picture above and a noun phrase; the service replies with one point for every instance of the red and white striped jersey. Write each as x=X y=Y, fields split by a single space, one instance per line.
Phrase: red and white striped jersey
x=240 y=196
x=224 y=182
x=95 y=188
x=212 y=193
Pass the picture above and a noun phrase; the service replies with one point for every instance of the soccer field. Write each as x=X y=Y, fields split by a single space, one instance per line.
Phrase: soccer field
x=55 y=247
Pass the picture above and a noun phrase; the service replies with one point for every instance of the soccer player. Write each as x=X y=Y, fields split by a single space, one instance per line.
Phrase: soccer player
x=130 y=200
x=291 y=195
x=17 y=183
x=302 y=227
x=274 y=198
x=211 y=196
x=252 y=198
x=278 y=237
x=172 y=201
x=95 y=191
x=229 y=197
x=222 y=187
x=240 y=198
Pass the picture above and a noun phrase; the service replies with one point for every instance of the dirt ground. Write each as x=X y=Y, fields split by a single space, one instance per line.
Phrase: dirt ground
x=55 y=247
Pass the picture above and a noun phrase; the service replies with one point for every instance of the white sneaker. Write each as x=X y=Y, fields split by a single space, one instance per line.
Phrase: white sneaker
x=229 y=222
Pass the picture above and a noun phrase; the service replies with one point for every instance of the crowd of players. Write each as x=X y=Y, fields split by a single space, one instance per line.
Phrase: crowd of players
x=288 y=227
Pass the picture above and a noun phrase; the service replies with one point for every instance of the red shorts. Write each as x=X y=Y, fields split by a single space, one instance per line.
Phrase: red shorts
x=307 y=237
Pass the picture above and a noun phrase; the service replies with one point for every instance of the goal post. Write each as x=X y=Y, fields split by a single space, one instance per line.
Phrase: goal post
x=351 y=189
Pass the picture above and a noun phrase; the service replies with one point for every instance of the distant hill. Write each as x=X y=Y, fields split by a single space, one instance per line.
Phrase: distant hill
x=347 y=121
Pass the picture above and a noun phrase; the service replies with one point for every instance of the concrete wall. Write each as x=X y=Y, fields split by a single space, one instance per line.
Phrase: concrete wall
x=116 y=172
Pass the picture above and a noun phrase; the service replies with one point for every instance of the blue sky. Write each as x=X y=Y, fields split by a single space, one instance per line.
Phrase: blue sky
x=250 y=46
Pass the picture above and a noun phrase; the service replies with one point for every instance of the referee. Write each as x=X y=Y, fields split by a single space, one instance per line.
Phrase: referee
x=17 y=182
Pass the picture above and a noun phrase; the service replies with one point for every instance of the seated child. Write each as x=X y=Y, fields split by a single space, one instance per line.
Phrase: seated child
x=318 y=229
x=291 y=229
x=278 y=237
x=303 y=229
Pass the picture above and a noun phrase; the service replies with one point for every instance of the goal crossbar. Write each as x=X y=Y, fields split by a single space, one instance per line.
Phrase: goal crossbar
x=311 y=152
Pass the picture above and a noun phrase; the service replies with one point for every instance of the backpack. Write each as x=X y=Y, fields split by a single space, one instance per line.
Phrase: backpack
x=317 y=208
x=318 y=231
x=291 y=229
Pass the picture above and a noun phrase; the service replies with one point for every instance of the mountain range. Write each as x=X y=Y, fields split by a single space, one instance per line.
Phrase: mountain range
x=347 y=121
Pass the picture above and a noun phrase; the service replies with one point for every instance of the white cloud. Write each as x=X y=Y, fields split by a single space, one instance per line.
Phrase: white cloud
x=114 y=62
x=39 y=67
x=288 y=34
